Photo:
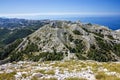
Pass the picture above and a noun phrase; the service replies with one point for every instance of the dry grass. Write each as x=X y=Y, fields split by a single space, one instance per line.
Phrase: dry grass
x=103 y=76
x=42 y=71
x=114 y=67
x=7 y=76
x=75 y=78
x=70 y=65
x=52 y=78
x=50 y=72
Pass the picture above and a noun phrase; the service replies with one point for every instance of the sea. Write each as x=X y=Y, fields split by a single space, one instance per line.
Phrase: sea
x=112 y=22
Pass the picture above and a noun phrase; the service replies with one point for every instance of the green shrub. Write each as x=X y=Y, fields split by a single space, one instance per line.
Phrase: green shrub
x=10 y=48
x=77 y=32
x=110 y=37
x=31 y=48
x=79 y=46
x=16 y=56
x=116 y=49
x=70 y=38
x=46 y=56
x=80 y=56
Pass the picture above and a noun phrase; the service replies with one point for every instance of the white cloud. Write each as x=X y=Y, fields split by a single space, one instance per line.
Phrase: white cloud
x=55 y=14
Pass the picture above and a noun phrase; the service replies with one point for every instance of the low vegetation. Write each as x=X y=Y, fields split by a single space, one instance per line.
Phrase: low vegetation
x=7 y=76
x=77 y=32
x=75 y=78
x=103 y=76
x=64 y=70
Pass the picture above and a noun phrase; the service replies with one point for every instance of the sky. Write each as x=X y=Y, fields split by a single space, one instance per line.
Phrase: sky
x=25 y=8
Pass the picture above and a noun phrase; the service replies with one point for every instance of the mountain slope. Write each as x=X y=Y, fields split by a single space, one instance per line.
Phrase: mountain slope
x=69 y=40
x=11 y=30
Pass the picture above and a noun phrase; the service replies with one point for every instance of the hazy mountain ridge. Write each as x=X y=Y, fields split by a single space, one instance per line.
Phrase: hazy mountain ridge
x=12 y=29
x=61 y=40
x=13 y=23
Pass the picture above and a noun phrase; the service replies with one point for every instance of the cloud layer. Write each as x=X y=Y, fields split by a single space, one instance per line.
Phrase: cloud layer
x=56 y=14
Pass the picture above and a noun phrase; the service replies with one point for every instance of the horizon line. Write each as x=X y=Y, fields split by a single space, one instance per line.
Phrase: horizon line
x=57 y=14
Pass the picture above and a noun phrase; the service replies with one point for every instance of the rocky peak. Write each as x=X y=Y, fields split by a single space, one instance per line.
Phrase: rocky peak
x=82 y=41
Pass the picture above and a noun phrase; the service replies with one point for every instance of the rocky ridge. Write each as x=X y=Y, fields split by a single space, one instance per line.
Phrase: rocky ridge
x=64 y=40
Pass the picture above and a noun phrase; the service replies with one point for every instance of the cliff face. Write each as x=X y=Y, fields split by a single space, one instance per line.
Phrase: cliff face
x=69 y=40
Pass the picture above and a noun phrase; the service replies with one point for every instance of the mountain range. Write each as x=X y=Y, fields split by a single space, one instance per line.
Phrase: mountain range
x=41 y=40
x=12 y=29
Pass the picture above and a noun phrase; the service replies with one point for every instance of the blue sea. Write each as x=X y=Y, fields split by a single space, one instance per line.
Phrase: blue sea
x=113 y=22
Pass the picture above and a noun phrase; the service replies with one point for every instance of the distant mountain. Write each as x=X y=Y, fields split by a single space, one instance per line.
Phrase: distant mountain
x=118 y=30
x=64 y=40
x=13 y=29
x=19 y=23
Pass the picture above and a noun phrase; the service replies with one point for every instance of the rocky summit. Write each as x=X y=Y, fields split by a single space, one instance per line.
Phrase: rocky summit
x=66 y=40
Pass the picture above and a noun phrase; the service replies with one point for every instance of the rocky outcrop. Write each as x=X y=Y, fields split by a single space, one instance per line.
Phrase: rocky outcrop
x=82 y=41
